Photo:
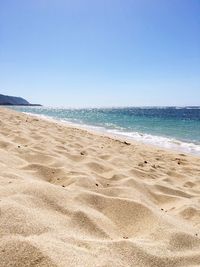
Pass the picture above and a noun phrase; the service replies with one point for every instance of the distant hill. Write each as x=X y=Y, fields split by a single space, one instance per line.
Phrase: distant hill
x=14 y=101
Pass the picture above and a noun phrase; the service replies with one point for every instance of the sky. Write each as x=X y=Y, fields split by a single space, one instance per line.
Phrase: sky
x=85 y=53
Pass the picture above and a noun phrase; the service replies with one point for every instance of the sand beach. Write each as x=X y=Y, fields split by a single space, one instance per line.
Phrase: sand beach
x=71 y=197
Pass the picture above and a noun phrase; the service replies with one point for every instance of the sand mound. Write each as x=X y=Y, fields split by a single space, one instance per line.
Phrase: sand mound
x=72 y=198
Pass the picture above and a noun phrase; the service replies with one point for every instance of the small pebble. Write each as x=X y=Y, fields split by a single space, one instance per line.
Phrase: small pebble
x=97 y=185
x=125 y=237
x=145 y=162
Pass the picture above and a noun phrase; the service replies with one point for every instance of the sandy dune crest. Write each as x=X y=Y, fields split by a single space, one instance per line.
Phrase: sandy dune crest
x=72 y=198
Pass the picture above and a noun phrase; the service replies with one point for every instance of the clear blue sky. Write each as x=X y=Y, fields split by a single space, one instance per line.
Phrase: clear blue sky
x=101 y=53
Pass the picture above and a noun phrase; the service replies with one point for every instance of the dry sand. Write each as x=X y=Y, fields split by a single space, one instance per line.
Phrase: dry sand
x=72 y=198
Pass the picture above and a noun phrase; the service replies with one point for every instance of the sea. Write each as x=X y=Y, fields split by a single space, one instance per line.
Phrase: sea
x=176 y=128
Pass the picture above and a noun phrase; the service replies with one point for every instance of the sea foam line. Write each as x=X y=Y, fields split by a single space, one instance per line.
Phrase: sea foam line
x=159 y=141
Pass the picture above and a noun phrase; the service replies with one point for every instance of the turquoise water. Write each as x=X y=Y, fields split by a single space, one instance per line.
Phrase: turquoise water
x=170 y=127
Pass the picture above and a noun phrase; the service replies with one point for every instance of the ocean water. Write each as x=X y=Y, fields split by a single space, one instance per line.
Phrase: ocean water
x=175 y=128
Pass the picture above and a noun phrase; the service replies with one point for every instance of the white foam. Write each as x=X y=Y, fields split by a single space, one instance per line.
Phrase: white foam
x=160 y=141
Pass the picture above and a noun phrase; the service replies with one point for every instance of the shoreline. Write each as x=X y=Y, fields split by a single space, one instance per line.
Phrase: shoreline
x=175 y=144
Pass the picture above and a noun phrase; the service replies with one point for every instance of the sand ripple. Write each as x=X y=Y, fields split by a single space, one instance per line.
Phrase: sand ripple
x=72 y=198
